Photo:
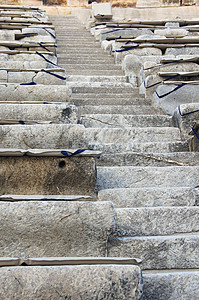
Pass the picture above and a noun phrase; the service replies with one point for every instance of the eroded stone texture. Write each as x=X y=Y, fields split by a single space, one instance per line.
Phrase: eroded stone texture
x=185 y=117
x=54 y=113
x=54 y=136
x=16 y=92
x=71 y=282
x=55 y=228
x=47 y=175
x=185 y=94
x=171 y=285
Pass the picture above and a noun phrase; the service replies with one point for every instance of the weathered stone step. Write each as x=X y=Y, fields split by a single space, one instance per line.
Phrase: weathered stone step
x=105 y=79
x=82 y=60
x=132 y=98
x=48 y=172
x=92 y=100
x=54 y=282
x=153 y=221
x=122 y=120
x=77 y=66
x=172 y=285
x=132 y=177
x=54 y=136
x=111 y=110
x=140 y=147
x=43 y=93
x=132 y=134
x=159 y=252
x=150 y=197
x=55 y=229
x=22 y=113
x=149 y=159
x=97 y=88
x=91 y=72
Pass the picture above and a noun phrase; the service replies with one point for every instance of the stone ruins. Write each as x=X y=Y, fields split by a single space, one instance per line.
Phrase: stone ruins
x=99 y=126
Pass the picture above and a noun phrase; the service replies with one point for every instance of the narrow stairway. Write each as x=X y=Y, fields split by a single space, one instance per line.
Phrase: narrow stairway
x=146 y=170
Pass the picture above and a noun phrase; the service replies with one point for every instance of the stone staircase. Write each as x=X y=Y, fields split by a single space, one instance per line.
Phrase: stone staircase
x=53 y=231
x=146 y=170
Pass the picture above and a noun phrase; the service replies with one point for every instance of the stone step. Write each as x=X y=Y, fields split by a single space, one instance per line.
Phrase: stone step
x=117 y=110
x=168 y=284
x=158 y=252
x=132 y=98
x=91 y=79
x=55 y=228
x=54 y=282
x=94 y=66
x=140 y=147
x=53 y=136
x=136 y=177
x=93 y=100
x=122 y=120
x=62 y=55
x=91 y=72
x=150 y=197
x=43 y=93
x=149 y=159
x=23 y=113
x=97 y=88
x=153 y=221
x=48 y=172
x=86 y=61
x=132 y=134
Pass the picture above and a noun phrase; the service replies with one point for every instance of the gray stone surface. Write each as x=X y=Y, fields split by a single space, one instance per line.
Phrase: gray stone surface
x=176 y=285
x=159 y=252
x=45 y=78
x=3 y=76
x=54 y=136
x=182 y=51
x=55 y=228
x=21 y=77
x=172 y=33
x=147 y=51
x=181 y=96
x=102 y=10
x=16 y=92
x=30 y=57
x=123 y=32
x=150 y=221
x=132 y=134
x=48 y=175
x=149 y=197
x=71 y=282
x=119 y=120
x=54 y=113
x=133 y=177
x=186 y=117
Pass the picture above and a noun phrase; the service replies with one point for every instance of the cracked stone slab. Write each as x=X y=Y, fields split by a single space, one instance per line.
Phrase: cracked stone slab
x=55 y=228
x=72 y=282
x=47 y=175
x=54 y=113
x=54 y=136
x=159 y=252
x=132 y=134
x=137 y=177
x=43 y=93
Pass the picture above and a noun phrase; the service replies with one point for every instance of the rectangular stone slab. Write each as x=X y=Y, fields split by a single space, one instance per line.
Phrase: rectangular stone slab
x=8 y=261
x=53 y=113
x=171 y=285
x=44 y=136
x=71 y=282
x=48 y=152
x=55 y=229
x=159 y=252
x=43 y=93
x=47 y=175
